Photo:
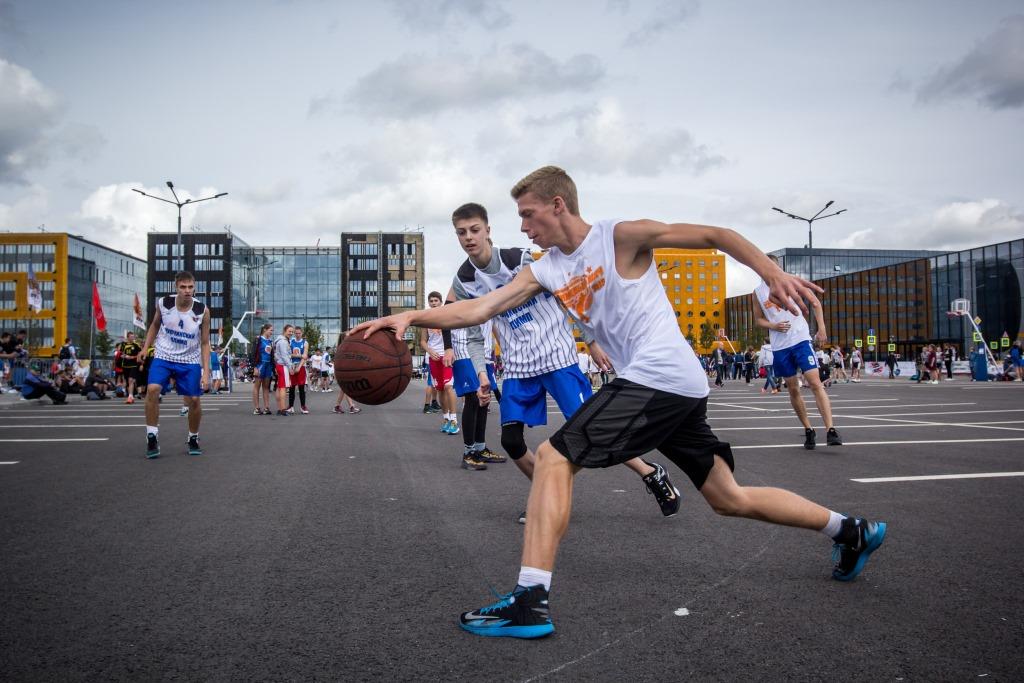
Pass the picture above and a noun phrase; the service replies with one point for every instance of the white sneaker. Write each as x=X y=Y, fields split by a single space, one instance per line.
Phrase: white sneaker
x=184 y=411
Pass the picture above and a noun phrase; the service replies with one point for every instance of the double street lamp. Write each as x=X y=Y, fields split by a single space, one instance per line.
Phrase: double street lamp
x=810 y=237
x=178 y=203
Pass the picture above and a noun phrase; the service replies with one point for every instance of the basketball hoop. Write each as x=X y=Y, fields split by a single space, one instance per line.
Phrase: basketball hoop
x=959 y=307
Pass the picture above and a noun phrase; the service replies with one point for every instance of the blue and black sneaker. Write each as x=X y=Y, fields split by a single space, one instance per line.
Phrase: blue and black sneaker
x=152 y=447
x=854 y=544
x=193 y=446
x=523 y=613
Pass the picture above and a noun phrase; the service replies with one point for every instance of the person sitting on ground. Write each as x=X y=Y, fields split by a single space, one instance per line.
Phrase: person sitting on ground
x=96 y=385
x=35 y=387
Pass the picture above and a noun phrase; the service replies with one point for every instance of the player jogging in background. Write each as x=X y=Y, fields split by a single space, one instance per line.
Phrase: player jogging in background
x=180 y=333
x=538 y=349
x=793 y=355
x=432 y=343
x=300 y=354
x=605 y=273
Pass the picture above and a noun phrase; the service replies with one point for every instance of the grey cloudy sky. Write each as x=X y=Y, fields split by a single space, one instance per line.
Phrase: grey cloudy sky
x=320 y=117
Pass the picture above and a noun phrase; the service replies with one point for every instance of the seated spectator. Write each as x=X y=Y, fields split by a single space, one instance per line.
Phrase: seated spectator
x=67 y=382
x=36 y=387
x=96 y=386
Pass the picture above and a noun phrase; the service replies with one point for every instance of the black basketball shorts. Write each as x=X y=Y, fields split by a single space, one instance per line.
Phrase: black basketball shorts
x=624 y=420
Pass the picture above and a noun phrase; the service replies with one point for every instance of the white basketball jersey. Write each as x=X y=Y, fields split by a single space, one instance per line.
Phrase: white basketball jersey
x=798 y=329
x=535 y=338
x=631 y=319
x=434 y=340
x=178 y=340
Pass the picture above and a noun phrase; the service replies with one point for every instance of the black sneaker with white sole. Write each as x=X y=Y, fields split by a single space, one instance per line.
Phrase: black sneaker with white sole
x=152 y=447
x=193 y=446
x=809 y=438
x=833 y=438
x=665 y=493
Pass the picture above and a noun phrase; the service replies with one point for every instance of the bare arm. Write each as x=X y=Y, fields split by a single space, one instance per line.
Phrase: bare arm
x=819 y=317
x=204 y=348
x=635 y=242
x=782 y=326
x=461 y=313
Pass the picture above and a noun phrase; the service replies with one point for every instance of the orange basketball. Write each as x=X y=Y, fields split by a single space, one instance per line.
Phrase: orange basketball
x=375 y=370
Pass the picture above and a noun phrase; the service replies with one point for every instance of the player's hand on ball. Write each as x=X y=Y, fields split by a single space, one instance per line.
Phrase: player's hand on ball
x=398 y=322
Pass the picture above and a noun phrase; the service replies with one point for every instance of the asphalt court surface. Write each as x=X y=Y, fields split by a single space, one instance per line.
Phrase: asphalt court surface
x=342 y=547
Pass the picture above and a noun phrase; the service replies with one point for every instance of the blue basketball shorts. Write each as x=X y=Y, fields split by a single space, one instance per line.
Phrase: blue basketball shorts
x=465 y=380
x=266 y=370
x=524 y=399
x=187 y=376
x=799 y=357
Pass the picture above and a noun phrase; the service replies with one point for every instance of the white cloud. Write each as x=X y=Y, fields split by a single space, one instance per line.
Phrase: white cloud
x=607 y=141
x=117 y=216
x=666 y=16
x=433 y=15
x=957 y=225
x=416 y=84
x=993 y=71
x=27 y=110
x=25 y=212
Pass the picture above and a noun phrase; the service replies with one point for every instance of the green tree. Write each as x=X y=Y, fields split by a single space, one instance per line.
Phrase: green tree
x=312 y=333
x=104 y=343
x=691 y=340
x=707 y=337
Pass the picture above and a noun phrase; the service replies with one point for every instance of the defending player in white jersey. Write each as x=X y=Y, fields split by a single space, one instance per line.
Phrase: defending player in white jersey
x=432 y=343
x=605 y=273
x=538 y=348
x=180 y=332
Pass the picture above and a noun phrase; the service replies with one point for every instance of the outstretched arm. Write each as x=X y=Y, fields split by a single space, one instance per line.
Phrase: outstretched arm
x=636 y=240
x=461 y=313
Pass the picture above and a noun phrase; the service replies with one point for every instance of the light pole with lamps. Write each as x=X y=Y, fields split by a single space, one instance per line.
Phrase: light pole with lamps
x=178 y=203
x=810 y=236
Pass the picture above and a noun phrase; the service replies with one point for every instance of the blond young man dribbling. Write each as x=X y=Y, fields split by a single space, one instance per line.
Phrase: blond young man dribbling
x=605 y=273
x=180 y=332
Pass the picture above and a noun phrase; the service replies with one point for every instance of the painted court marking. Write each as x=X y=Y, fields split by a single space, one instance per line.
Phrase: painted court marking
x=886 y=443
x=51 y=440
x=931 y=477
x=13 y=462
x=52 y=426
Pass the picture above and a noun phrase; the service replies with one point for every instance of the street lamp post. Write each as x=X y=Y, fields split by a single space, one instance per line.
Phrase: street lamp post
x=810 y=236
x=178 y=203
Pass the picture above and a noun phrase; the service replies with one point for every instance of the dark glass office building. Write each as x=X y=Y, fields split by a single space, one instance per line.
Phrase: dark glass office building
x=906 y=303
x=832 y=262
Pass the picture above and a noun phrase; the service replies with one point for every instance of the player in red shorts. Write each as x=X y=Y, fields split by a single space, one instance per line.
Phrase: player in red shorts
x=300 y=353
x=432 y=344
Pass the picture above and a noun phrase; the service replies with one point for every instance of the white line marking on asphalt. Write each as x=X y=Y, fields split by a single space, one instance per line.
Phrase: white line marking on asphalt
x=979 y=475
x=88 y=416
x=12 y=462
x=49 y=440
x=733 y=405
x=886 y=443
x=53 y=426
x=681 y=612
x=994 y=411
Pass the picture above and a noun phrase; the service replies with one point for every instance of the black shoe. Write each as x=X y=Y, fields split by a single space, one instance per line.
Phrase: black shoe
x=193 y=446
x=857 y=539
x=523 y=613
x=522 y=517
x=833 y=438
x=469 y=462
x=426 y=410
x=664 y=492
x=152 y=447
x=489 y=456
x=809 y=437
x=283 y=413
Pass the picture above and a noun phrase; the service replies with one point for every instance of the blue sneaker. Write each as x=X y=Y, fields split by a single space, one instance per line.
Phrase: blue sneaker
x=523 y=613
x=453 y=427
x=444 y=426
x=855 y=543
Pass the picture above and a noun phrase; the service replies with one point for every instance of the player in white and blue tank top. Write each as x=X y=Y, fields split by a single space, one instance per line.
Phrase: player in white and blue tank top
x=180 y=333
x=300 y=353
x=538 y=348
x=605 y=273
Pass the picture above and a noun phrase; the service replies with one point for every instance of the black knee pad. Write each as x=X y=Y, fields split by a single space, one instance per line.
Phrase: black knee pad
x=512 y=440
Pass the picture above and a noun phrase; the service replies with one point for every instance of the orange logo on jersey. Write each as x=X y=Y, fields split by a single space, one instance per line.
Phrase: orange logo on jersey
x=578 y=293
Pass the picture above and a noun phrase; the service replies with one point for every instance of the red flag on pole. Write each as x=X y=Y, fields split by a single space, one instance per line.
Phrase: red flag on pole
x=97 y=307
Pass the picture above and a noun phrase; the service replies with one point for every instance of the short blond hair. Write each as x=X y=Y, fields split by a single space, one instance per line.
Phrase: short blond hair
x=547 y=183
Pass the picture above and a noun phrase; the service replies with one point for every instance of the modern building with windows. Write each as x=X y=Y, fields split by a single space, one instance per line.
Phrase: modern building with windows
x=694 y=282
x=383 y=274
x=288 y=285
x=906 y=304
x=832 y=262
x=208 y=256
x=66 y=266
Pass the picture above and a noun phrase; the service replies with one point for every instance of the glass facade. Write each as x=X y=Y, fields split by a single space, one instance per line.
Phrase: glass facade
x=832 y=262
x=289 y=285
x=906 y=304
x=119 y=278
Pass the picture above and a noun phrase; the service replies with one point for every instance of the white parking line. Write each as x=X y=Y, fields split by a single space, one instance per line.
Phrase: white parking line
x=53 y=426
x=979 y=475
x=886 y=443
x=102 y=438
x=12 y=462
x=89 y=416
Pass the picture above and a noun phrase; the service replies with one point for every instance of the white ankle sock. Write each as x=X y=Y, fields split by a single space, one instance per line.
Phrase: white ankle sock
x=531 y=576
x=835 y=522
x=152 y=430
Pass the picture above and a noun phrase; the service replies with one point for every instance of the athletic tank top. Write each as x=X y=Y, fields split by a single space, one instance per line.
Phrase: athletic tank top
x=298 y=348
x=266 y=349
x=631 y=319
x=798 y=329
x=178 y=338
x=434 y=340
x=535 y=338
